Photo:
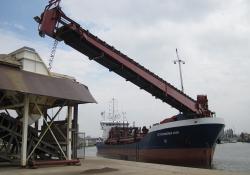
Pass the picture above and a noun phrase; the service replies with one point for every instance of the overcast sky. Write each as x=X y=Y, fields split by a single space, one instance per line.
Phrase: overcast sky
x=213 y=38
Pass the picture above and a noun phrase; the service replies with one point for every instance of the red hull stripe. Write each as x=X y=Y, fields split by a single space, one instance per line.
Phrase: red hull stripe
x=198 y=157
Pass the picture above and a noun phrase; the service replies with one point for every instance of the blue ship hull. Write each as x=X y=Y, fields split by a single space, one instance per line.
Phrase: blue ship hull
x=188 y=145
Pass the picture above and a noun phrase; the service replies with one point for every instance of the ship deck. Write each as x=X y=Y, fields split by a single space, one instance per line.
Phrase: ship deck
x=97 y=165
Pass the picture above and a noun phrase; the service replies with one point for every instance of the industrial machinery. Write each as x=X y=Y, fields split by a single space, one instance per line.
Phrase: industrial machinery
x=54 y=23
x=188 y=138
x=29 y=132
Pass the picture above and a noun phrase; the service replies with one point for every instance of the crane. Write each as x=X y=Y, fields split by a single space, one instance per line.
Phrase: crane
x=54 y=23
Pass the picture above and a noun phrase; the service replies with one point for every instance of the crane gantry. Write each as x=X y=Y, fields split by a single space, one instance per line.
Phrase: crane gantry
x=54 y=23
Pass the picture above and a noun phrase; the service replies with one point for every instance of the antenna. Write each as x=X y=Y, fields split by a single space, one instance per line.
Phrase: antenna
x=113 y=109
x=179 y=61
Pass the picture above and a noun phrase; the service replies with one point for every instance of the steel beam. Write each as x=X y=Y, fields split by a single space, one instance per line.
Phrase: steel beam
x=57 y=25
x=48 y=128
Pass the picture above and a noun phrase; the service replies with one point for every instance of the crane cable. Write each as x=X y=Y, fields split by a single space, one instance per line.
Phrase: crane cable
x=52 y=54
x=53 y=50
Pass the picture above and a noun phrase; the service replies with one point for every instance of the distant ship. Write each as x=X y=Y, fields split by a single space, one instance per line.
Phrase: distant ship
x=176 y=141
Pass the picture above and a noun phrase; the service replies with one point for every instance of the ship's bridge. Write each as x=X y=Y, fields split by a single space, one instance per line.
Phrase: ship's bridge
x=107 y=125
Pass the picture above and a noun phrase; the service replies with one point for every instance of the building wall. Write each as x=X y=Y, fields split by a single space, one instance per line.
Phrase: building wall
x=34 y=66
x=32 y=62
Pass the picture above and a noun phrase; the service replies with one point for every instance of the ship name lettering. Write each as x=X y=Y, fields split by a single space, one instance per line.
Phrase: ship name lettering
x=168 y=133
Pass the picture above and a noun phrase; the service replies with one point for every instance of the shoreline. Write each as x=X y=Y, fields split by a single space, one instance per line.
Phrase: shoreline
x=99 y=165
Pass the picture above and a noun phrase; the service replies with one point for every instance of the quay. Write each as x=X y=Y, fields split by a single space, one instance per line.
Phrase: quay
x=103 y=166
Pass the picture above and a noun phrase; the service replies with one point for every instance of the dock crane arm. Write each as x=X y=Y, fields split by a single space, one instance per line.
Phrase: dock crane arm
x=54 y=23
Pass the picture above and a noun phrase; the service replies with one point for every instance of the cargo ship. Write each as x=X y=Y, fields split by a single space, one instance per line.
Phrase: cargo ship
x=174 y=141
x=188 y=138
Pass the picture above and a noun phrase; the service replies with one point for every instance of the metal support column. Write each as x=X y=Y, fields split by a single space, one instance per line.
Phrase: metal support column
x=25 y=131
x=69 y=133
x=75 y=127
x=45 y=116
x=37 y=127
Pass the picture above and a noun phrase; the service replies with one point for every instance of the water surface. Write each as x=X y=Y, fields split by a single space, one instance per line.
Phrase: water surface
x=228 y=156
x=232 y=157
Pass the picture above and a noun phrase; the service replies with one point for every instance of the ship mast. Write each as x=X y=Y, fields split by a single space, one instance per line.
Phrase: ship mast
x=179 y=61
x=113 y=110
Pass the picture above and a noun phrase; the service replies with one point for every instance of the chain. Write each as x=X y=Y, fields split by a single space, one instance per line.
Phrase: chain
x=52 y=54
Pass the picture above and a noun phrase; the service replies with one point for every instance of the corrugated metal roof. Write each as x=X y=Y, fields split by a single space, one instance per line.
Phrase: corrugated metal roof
x=14 y=79
x=9 y=60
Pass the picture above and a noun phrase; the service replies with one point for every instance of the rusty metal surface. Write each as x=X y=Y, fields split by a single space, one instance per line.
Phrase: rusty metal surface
x=98 y=50
x=27 y=82
x=55 y=162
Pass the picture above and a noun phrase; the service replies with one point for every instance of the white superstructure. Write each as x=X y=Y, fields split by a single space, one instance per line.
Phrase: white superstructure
x=107 y=125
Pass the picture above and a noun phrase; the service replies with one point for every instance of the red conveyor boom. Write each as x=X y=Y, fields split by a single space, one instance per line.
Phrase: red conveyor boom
x=54 y=23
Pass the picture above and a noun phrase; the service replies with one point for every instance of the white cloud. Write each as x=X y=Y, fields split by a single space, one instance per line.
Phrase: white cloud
x=212 y=37
x=18 y=26
x=12 y=25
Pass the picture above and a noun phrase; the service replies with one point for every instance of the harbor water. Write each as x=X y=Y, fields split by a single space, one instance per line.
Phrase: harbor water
x=232 y=157
x=227 y=156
